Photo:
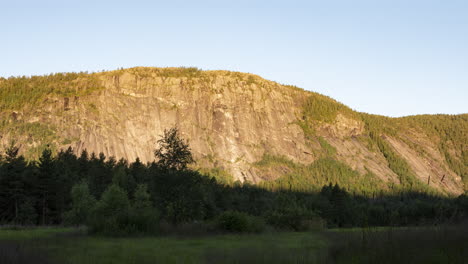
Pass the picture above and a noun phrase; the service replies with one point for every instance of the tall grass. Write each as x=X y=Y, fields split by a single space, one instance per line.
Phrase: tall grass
x=446 y=244
x=18 y=252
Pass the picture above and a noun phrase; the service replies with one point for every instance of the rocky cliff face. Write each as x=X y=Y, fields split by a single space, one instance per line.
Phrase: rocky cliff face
x=230 y=119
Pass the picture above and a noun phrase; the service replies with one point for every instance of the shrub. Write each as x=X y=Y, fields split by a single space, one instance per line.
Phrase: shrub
x=143 y=217
x=238 y=222
x=111 y=214
x=82 y=204
x=114 y=215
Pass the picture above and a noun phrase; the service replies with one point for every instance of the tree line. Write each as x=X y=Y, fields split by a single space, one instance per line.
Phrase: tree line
x=116 y=196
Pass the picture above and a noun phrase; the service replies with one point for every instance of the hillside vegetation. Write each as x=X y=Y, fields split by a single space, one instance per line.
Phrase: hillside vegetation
x=18 y=92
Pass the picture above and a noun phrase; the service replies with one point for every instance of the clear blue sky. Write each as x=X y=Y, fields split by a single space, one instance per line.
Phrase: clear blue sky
x=395 y=57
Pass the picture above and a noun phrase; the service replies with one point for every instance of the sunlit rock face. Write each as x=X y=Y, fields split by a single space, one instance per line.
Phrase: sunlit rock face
x=230 y=120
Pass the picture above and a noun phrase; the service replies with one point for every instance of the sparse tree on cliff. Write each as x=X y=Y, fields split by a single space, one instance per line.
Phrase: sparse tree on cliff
x=173 y=152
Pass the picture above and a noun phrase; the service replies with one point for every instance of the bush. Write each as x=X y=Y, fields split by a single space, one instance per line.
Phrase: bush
x=111 y=214
x=238 y=222
x=82 y=204
x=114 y=215
x=143 y=218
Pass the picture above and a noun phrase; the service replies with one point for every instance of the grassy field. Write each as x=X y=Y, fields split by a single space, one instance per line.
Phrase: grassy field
x=446 y=244
x=70 y=246
x=379 y=245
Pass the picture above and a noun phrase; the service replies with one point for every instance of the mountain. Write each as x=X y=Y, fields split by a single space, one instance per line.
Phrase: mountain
x=239 y=126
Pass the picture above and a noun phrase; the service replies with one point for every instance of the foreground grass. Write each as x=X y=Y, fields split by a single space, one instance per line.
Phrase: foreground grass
x=443 y=244
x=66 y=246
x=15 y=234
x=373 y=245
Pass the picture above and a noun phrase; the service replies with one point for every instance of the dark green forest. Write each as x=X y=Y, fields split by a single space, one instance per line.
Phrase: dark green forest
x=117 y=197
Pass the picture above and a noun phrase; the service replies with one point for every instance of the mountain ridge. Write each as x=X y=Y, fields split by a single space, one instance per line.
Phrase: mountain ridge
x=233 y=121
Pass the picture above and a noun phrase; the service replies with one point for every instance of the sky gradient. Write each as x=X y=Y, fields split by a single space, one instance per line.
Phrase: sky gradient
x=384 y=57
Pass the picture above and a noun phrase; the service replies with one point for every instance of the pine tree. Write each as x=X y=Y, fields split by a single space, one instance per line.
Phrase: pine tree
x=12 y=187
x=99 y=174
x=47 y=186
x=124 y=180
x=139 y=172
x=83 y=165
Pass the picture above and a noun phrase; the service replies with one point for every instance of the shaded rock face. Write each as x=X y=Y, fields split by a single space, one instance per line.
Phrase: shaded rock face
x=230 y=120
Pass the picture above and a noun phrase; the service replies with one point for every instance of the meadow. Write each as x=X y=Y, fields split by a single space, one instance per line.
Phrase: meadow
x=359 y=245
x=52 y=245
